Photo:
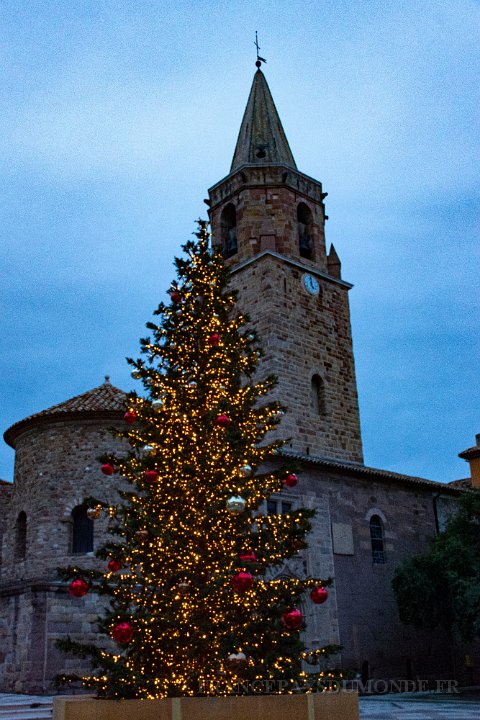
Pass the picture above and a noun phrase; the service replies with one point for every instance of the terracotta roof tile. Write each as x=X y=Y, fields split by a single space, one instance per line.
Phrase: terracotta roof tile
x=465 y=483
x=471 y=452
x=105 y=401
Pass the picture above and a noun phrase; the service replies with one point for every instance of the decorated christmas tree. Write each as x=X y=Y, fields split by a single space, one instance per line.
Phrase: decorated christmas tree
x=195 y=606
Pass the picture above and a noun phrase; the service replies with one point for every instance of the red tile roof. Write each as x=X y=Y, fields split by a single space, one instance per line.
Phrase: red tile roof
x=103 y=402
x=470 y=453
x=466 y=483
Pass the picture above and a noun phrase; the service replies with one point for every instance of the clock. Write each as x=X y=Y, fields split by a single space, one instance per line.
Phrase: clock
x=310 y=284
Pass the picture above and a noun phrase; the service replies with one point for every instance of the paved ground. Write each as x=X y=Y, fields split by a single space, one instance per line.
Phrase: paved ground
x=420 y=706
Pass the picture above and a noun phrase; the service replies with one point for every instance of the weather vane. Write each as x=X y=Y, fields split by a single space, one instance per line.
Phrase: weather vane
x=259 y=59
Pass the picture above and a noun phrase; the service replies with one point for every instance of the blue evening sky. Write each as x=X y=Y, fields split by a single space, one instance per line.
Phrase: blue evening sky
x=116 y=118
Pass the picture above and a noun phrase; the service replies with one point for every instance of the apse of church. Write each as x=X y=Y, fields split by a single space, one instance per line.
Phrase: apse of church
x=268 y=219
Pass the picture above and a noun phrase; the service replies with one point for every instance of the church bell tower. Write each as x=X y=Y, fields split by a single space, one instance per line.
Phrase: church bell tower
x=268 y=219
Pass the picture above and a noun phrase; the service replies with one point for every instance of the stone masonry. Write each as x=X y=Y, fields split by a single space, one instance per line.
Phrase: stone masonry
x=260 y=214
x=56 y=468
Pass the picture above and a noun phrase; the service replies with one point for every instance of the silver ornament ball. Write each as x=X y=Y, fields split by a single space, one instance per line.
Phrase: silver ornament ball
x=237 y=661
x=235 y=504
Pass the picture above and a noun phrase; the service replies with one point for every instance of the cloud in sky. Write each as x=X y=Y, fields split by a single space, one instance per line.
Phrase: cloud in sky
x=120 y=116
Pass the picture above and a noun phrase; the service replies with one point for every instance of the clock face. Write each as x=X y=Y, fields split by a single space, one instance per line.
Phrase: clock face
x=310 y=284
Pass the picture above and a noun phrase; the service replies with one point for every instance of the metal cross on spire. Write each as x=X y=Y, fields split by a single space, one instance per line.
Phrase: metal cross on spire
x=259 y=59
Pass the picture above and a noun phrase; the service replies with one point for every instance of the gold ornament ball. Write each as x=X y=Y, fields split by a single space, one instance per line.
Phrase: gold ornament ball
x=93 y=513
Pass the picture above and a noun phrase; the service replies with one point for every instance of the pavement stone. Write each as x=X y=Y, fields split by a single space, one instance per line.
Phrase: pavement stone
x=424 y=708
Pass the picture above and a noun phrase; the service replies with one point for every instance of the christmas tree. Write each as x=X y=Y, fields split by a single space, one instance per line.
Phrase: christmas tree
x=194 y=604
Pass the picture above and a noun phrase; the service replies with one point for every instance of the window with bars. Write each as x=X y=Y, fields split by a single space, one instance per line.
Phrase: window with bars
x=377 y=540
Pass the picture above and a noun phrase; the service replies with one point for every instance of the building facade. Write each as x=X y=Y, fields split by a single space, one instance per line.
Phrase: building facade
x=268 y=219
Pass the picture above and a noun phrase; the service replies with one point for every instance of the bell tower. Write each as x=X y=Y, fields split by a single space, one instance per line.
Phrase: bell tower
x=268 y=219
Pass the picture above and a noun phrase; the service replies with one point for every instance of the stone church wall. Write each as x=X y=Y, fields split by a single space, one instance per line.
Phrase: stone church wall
x=360 y=613
x=32 y=618
x=56 y=468
x=370 y=628
x=304 y=336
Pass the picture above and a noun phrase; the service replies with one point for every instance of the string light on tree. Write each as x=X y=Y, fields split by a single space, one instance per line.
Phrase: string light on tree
x=189 y=543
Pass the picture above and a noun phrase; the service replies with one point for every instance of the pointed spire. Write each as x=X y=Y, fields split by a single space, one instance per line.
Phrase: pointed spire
x=333 y=263
x=261 y=140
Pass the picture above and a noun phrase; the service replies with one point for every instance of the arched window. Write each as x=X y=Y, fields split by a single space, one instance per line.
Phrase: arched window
x=82 y=531
x=21 y=536
x=317 y=395
x=305 y=226
x=377 y=540
x=229 y=230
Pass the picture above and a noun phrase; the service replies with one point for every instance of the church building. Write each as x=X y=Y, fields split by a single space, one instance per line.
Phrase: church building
x=268 y=220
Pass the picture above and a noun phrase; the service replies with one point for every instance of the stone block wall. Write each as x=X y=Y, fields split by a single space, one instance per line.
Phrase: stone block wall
x=266 y=201
x=32 y=617
x=302 y=336
x=5 y=494
x=370 y=627
x=56 y=468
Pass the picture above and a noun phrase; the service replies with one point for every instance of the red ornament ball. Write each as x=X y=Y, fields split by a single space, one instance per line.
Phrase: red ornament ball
x=248 y=556
x=292 y=619
x=242 y=581
x=122 y=633
x=130 y=417
x=291 y=480
x=114 y=565
x=107 y=469
x=78 y=588
x=214 y=340
x=223 y=421
x=175 y=296
x=151 y=476
x=319 y=595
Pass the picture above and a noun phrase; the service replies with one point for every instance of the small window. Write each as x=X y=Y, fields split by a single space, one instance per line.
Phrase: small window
x=82 y=531
x=278 y=507
x=305 y=228
x=229 y=231
x=21 y=537
x=317 y=395
x=377 y=540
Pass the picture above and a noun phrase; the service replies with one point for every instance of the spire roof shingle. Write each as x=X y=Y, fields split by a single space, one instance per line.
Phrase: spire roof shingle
x=262 y=139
